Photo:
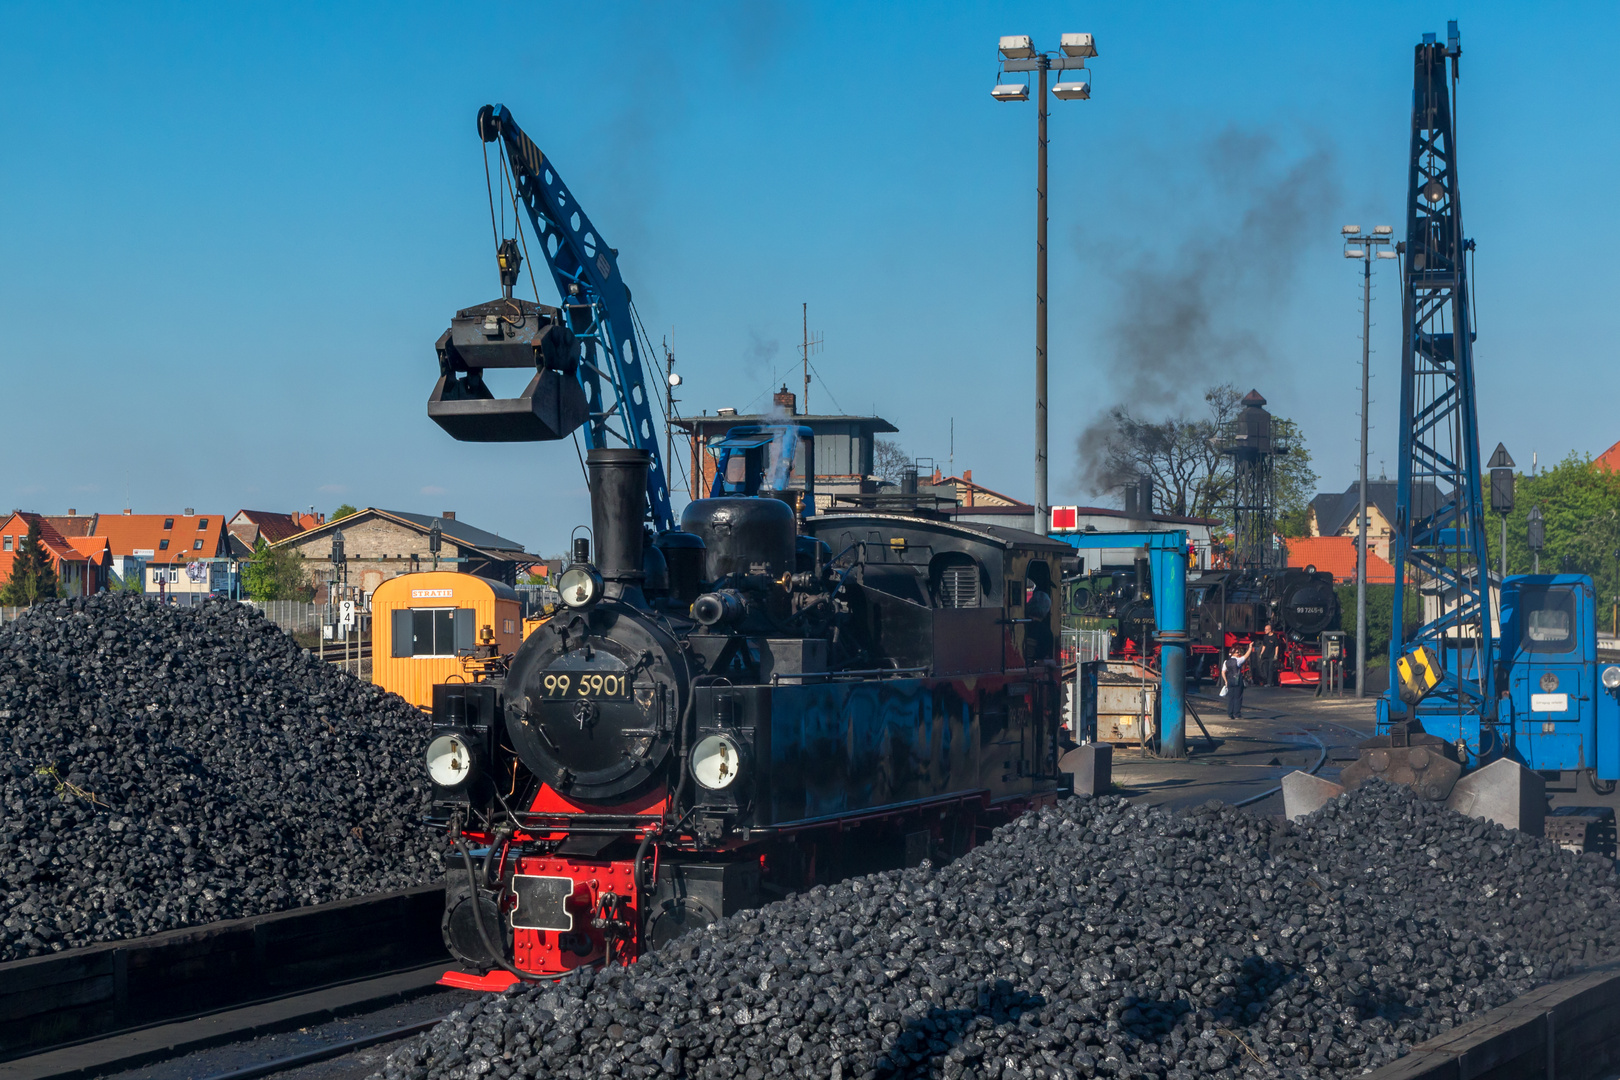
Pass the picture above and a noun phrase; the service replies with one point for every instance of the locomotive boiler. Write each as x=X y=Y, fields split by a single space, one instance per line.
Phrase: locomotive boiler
x=764 y=699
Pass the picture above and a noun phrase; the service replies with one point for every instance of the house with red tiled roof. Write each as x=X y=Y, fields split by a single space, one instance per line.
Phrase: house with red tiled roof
x=1337 y=556
x=183 y=554
x=82 y=566
x=247 y=527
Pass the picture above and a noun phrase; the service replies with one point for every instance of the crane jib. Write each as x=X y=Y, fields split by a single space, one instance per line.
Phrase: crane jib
x=596 y=309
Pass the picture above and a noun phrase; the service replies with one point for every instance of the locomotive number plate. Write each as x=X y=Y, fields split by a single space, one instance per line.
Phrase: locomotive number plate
x=542 y=902
x=585 y=684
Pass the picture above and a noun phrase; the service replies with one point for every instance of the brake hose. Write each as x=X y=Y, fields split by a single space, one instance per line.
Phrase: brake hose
x=478 y=917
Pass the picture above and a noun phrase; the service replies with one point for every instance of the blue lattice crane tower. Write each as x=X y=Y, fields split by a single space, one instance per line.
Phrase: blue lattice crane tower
x=1440 y=546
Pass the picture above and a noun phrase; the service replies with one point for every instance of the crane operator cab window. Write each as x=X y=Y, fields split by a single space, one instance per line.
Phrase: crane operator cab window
x=1547 y=615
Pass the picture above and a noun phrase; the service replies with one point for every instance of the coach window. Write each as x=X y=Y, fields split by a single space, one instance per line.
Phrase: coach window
x=432 y=631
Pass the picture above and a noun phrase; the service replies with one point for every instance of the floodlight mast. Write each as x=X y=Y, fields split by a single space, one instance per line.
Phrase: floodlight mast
x=1018 y=53
x=1363 y=247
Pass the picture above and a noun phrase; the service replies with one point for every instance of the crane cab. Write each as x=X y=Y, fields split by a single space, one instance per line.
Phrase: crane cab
x=1550 y=680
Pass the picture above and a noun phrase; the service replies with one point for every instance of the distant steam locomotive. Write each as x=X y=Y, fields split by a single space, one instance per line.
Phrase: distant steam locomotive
x=1224 y=609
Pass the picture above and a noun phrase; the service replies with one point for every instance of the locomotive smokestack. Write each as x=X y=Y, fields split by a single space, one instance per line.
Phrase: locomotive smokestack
x=618 y=514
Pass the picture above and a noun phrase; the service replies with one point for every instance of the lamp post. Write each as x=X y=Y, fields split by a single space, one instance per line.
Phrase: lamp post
x=1018 y=53
x=1358 y=246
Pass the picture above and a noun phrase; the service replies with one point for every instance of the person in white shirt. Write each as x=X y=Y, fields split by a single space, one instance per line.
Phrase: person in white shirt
x=1232 y=679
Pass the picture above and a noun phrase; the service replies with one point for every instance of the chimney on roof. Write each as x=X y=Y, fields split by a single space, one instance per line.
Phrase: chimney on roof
x=128 y=511
x=72 y=512
x=449 y=515
x=785 y=400
x=189 y=511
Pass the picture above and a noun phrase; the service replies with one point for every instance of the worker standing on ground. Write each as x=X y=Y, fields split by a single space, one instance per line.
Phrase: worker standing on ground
x=1232 y=680
x=1265 y=663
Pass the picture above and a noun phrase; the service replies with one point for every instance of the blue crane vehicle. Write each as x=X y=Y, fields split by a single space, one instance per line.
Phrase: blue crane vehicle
x=1499 y=703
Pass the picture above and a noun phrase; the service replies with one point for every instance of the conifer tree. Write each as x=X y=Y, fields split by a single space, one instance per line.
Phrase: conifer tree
x=33 y=578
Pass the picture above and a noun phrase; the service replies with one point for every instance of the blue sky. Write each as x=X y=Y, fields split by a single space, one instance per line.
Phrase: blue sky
x=231 y=234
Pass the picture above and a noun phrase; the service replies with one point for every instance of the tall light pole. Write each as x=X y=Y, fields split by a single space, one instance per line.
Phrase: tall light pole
x=1357 y=246
x=1018 y=53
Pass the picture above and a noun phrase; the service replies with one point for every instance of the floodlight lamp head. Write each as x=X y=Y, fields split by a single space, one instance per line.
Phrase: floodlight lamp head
x=1354 y=253
x=1388 y=255
x=1081 y=45
x=1072 y=91
x=1383 y=230
x=1017 y=47
x=1010 y=92
x=1351 y=230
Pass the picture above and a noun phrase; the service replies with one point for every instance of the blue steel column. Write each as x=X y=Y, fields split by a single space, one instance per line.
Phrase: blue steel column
x=1168 y=559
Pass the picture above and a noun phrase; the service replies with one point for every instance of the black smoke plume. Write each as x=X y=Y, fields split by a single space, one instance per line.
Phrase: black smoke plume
x=1199 y=312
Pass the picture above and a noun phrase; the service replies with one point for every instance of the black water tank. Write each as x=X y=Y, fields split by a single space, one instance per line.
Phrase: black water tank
x=740 y=533
x=683 y=554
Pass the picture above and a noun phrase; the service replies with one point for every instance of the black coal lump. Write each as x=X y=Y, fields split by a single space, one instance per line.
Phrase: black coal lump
x=163 y=767
x=1091 y=939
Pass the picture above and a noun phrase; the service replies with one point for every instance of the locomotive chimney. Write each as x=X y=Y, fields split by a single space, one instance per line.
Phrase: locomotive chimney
x=618 y=514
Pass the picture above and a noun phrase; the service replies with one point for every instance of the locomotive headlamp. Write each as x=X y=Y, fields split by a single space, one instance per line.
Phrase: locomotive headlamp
x=449 y=760
x=715 y=762
x=1611 y=678
x=580 y=586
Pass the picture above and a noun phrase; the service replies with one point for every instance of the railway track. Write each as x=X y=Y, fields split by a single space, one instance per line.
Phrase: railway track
x=111 y=1007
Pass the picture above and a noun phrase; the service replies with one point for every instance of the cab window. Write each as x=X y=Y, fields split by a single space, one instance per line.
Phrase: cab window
x=1547 y=618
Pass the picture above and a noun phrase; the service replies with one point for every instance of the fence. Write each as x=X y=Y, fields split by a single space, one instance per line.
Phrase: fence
x=1082 y=645
x=293 y=615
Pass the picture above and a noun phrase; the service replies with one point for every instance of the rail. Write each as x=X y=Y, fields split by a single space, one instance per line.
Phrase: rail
x=78 y=995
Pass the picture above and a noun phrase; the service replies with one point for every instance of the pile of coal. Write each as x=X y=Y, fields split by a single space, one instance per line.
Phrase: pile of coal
x=1091 y=939
x=164 y=767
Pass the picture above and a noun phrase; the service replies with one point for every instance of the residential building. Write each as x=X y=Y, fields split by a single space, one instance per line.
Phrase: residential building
x=1337 y=556
x=844 y=447
x=82 y=565
x=1335 y=514
x=181 y=555
x=247 y=527
x=381 y=544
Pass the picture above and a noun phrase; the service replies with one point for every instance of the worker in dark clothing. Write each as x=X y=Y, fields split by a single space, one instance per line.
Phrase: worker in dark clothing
x=1266 y=656
x=1232 y=680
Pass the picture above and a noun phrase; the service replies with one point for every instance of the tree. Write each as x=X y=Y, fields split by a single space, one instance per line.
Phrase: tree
x=1190 y=475
x=276 y=574
x=1181 y=455
x=889 y=461
x=1580 y=507
x=342 y=512
x=1293 y=481
x=133 y=582
x=32 y=577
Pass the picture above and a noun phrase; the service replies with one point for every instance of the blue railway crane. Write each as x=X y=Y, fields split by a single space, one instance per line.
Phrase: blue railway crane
x=1440 y=543
x=589 y=369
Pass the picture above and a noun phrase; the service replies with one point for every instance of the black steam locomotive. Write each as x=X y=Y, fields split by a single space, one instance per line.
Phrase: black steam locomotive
x=1224 y=609
x=760 y=701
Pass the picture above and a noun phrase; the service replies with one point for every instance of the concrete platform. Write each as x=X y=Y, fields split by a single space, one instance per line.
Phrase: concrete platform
x=1282 y=729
